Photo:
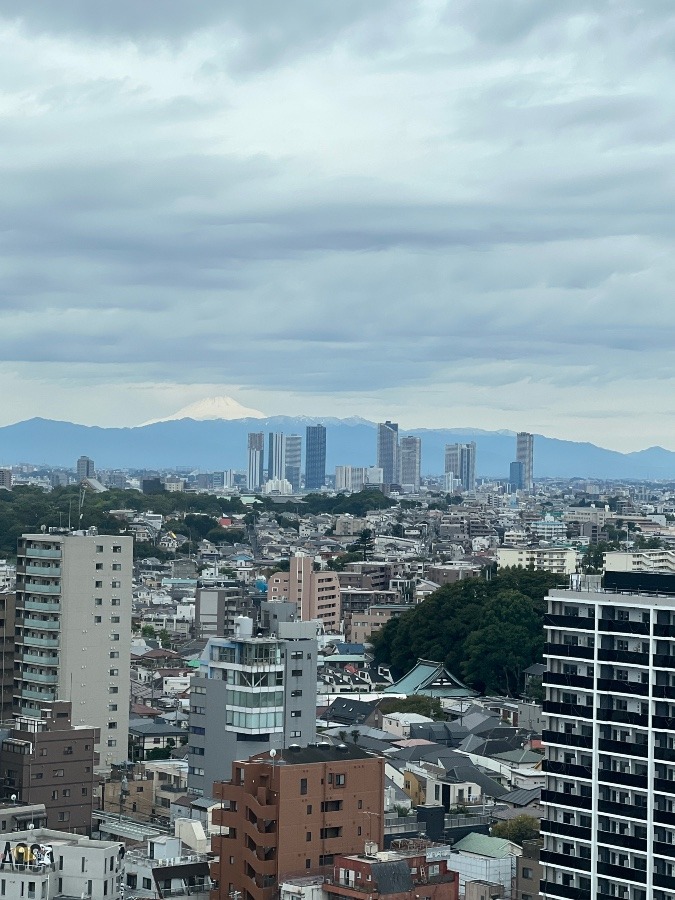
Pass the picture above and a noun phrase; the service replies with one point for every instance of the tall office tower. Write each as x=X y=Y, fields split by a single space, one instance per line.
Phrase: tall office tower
x=460 y=459
x=410 y=461
x=609 y=828
x=73 y=631
x=525 y=455
x=85 y=468
x=251 y=694
x=516 y=476
x=293 y=463
x=315 y=457
x=256 y=460
x=276 y=456
x=387 y=450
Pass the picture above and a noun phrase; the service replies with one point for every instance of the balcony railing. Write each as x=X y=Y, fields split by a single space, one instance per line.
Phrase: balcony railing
x=563 y=739
x=41 y=624
x=35 y=587
x=43 y=571
x=42 y=605
x=40 y=552
x=40 y=677
x=32 y=640
x=623 y=627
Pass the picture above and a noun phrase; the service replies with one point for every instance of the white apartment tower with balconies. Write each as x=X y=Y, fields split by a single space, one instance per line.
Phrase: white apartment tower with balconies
x=73 y=631
x=609 y=801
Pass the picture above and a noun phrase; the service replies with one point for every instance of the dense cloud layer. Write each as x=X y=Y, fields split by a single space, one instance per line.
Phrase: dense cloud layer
x=450 y=213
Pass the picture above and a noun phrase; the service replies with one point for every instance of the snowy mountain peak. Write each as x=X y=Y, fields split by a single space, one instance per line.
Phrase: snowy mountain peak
x=212 y=408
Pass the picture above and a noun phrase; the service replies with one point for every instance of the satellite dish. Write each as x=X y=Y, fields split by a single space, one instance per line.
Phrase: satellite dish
x=31 y=826
x=273 y=752
x=13 y=798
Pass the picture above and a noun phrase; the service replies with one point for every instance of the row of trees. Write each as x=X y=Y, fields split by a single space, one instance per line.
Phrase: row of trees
x=486 y=632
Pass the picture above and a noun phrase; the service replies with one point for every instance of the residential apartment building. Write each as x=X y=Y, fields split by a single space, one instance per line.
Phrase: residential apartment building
x=525 y=455
x=387 y=451
x=6 y=479
x=316 y=594
x=562 y=560
x=256 y=461
x=350 y=478
x=252 y=693
x=410 y=462
x=609 y=828
x=293 y=814
x=73 y=631
x=47 y=761
x=7 y=625
x=48 y=864
x=315 y=457
x=422 y=872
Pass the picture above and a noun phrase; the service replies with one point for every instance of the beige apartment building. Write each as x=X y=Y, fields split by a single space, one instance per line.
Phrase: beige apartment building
x=73 y=631
x=317 y=594
x=561 y=560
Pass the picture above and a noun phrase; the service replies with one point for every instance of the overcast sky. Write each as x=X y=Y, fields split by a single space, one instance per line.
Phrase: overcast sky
x=444 y=213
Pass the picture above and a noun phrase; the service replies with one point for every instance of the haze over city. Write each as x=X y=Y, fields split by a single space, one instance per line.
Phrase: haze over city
x=453 y=215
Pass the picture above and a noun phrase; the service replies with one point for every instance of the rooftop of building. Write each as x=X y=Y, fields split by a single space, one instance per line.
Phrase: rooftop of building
x=314 y=753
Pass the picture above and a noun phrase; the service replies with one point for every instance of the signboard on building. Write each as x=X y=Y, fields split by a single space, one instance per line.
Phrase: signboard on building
x=19 y=856
x=433 y=854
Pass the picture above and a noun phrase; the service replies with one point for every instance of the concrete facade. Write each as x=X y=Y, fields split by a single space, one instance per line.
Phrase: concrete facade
x=316 y=594
x=73 y=631
x=251 y=694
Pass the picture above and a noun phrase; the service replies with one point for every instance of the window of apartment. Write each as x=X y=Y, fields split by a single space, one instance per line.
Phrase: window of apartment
x=68 y=751
x=358 y=831
x=97 y=620
x=114 y=654
x=37 y=775
x=333 y=832
x=112 y=742
x=85 y=791
x=340 y=780
x=308 y=836
x=309 y=809
x=99 y=565
x=114 y=619
x=360 y=804
x=296 y=673
x=98 y=584
x=66 y=792
x=295 y=713
x=43 y=751
x=117 y=567
x=99 y=548
x=303 y=785
x=116 y=548
x=297 y=693
x=296 y=734
x=115 y=584
x=296 y=654
x=113 y=689
x=527 y=873
x=98 y=601
x=64 y=816
x=112 y=726
x=114 y=672
x=57 y=773
x=115 y=601
x=114 y=636
x=326 y=859
x=308 y=863
x=147 y=884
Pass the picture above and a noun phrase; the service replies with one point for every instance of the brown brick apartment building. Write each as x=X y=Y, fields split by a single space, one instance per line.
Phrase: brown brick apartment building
x=420 y=873
x=293 y=815
x=48 y=760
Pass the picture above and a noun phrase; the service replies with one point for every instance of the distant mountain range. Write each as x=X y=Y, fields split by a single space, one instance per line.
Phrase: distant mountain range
x=215 y=444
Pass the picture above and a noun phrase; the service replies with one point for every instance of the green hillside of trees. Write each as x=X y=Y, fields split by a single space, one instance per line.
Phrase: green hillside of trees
x=486 y=632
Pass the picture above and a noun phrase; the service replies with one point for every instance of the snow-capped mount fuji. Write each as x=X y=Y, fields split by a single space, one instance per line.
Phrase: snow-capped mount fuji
x=224 y=408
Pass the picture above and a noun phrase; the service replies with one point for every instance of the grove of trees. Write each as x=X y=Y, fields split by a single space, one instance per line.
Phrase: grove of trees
x=486 y=632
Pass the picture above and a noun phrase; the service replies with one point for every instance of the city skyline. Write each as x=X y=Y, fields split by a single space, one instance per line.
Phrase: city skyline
x=229 y=187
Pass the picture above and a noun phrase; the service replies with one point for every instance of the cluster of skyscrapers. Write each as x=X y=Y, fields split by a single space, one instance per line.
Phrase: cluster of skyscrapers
x=400 y=461
x=284 y=460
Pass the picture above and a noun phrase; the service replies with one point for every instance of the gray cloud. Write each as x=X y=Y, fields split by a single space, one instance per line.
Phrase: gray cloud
x=461 y=210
